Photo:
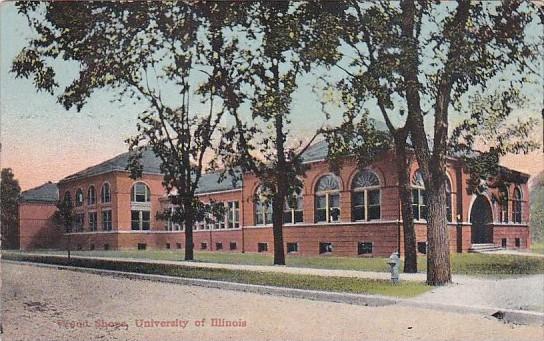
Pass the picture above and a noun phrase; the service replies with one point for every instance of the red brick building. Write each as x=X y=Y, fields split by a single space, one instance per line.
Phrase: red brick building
x=355 y=212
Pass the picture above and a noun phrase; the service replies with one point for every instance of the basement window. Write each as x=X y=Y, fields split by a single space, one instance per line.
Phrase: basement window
x=178 y=245
x=504 y=242
x=292 y=247
x=203 y=246
x=233 y=245
x=219 y=246
x=325 y=248
x=364 y=248
x=518 y=242
x=91 y=247
x=262 y=247
x=167 y=245
x=106 y=247
x=142 y=246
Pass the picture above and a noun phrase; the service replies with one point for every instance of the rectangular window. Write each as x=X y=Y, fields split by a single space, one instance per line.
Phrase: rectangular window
x=140 y=220
x=504 y=243
x=203 y=246
x=167 y=245
x=325 y=248
x=91 y=247
x=263 y=213
x=518 y=242
x=106 y=220
x=364 y=248
x=142 y=246
x=419 y=200
x=233 y=245
x=93 y=223
x=292 y=247
x=262 y=247
x=422 y=247
x=79 y=221
x=178 y=245
x=321 y=208
x=219 y=246
x=106 y=247
x=233 y=214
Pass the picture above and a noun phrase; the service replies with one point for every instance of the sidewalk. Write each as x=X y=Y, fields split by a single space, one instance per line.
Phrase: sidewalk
x=419 y=277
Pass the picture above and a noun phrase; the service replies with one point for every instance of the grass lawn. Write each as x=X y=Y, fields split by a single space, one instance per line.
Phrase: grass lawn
x=467 y=263
x=537 y=247
x=336 y=284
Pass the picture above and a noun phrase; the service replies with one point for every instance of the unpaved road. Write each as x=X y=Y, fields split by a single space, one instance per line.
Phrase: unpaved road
x=48 y=304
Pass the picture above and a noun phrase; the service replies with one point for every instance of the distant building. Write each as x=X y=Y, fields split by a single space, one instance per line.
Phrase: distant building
x=355 y=212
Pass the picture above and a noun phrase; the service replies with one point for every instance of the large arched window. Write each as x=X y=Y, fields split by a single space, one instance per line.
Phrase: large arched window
x=503 y=202
x=327 y=199
x=91 y=196
x=140 y=193
x=263 y=206
x=105 y=193
x=516 y=206
x=419 y=197
x=449 y=213
x=365 y=196
x=79 y=197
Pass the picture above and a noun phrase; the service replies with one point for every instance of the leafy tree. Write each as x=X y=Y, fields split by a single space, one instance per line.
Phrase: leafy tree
x=267 y=67
x=423 y=58
x=160 y=54
x=64 y=220
x=9 y=194
x=537 y=208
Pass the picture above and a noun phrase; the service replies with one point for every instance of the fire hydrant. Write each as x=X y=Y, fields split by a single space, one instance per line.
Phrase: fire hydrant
x=394 y=263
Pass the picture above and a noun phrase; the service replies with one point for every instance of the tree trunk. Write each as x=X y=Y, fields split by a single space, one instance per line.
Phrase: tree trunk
x=405 y=194
x=277 y=227
x=438 y=254
x=189 y=219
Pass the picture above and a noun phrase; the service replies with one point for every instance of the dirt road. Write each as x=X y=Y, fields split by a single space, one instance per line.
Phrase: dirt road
x=49 y=304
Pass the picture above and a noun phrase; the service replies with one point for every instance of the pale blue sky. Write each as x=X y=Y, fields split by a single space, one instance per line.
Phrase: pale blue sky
x=42 y=141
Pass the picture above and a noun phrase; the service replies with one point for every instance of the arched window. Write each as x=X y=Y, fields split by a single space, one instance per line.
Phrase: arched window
x=106 y=193
x=293 y=213
x=68 y=198
x=79 y=197
x=91 y=196
x=327 y=199
x=503 y=201
x=449 y=213
x=516 y=206
x=365 y=196
x=419 y=197
x=263 y=206
x=140 y=193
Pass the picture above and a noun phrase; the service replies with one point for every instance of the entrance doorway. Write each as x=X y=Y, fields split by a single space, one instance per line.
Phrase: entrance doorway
x=480 y=217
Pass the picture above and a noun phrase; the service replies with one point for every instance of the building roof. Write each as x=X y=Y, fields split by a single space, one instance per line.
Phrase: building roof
x=47 y=192
x=151 y=165
x=316 y=152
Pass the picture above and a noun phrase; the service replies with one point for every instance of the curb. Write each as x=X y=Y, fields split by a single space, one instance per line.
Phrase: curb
x=506 y=315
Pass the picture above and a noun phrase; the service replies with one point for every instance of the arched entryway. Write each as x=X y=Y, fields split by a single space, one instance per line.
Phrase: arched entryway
x=480 y=217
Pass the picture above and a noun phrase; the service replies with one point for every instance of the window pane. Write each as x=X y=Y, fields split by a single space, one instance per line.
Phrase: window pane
x=374 y=197
x=299 y=216
x=358 y=213
x=321 y=215
x=321 y=202
x=358 y=199
x=415 y=196
x=135 y=219
x=374 y=212
x=287 y=217
x=334 y=200
x=415 y=211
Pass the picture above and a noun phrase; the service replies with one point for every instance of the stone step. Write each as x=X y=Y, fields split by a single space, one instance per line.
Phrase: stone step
x=480 y=248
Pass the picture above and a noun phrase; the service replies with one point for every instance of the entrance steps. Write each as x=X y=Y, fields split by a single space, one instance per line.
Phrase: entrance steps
x=483 y=248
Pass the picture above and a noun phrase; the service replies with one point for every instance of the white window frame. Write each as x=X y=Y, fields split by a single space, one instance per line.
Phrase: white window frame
x=134 y=195
x=140 y=220
x=327 y=194
x=103 y=193
x=515 y=203
x=107 y=225
x=287 y=209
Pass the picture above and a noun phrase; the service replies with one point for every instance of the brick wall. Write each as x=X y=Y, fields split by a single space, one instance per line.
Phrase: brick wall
x=36 y=227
